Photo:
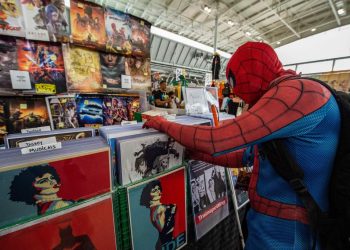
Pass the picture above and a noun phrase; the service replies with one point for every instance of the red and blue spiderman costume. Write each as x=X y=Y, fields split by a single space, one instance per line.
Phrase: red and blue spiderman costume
x=301 y=112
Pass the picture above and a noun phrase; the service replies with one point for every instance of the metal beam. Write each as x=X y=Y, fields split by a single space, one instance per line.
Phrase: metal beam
x=179 y=66
x=334 y=12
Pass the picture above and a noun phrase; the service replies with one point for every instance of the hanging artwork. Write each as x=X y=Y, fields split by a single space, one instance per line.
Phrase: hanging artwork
x=118 y=28
x=62 y=111
x=44 y=62
x=11 y=19
x=140 y=71
x=8 y=61
x=90 y=112
x=88 y=226
x=83 y=69
x=140 y=37
x=112 y=67
x=157 y=209
x=133 y=104
x=88 y=24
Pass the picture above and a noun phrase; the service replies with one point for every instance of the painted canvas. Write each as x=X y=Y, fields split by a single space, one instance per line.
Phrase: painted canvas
x=11 y=18
x=88 y=226
x=209 y=195
x=83 y=69
x=90 y=111
x=112 y=67
x=143 y=156
x=62 y=111
x=44 y=62
x=118 y=28
x=140 y=37
x=134 y=106
x=33 y=190
x=88 y=24
x=157 y=209
x=26 y=113
x=8 y=61
x=140 y=71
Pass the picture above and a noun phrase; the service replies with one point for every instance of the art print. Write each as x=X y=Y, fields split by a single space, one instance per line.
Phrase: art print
x=118 y=28
x=90 y=111
x=146 y=155
x=112 y=67
x=3 y=129
x=11 y=18
x=134 y=106
x=63 y=112
x=88 y=226
x=114 y=110
x=157 y=209
x=8 y=61
x=140 y=37
x=140 y=71
x=40 y=189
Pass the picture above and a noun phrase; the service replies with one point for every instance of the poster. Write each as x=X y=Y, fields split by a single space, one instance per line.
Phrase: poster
x=26 y=113
x=11 y=18
x=209 y=195
x=143 y=156
x=140 y=37
x=83 y=69
x=140 y=71
x=88 y=24
x=37 y=189
x=44 y=62
x=62 y=111
x=8 y=61
x=241 y=195
x=133 y=103
x=157 y=210
x=57 y=21
x=3 y=129
x=112 y=67
x=88 y=226
x=90 y=111
x=118 y=28
x=114 y=110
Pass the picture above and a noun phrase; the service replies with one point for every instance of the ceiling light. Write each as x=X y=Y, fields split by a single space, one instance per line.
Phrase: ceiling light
x=313 y=29
x=230 y=23
x=341 y=12
x=278 y=42
x=207 y=9
x=248 y=33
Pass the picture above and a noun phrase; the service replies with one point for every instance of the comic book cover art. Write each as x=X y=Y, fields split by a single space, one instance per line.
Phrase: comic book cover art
x=3 y=129
x=83 y=69
x=62 y=111
x=66 y=136
x=209 y=195
x=140 y=71
x=88 y=226
x=118 y=28
x=38 y=189
x=157 y=210
x=8 y=61
x=88 y=24
x=27 y=113
x=11 y=19
x=143 y=156
x=133 y=103
x=241 y=195
x=112 y=67
x=44 y=62
x=140 y=37
x=114 y=110
x=90 y=111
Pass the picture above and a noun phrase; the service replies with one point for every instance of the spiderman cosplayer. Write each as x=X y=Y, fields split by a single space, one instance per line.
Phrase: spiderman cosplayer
x=301 y=112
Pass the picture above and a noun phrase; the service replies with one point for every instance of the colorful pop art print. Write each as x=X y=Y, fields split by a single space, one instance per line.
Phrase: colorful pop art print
x=83 y=70
x=88 y=24
x=87 y=226
x=112 y=67
x=143 y=156
x=114 y=110
x=140 y=37
x=62 y=111
x=118 y=28
x=39 y=189
x=44 y=62
x=157 y=211
x=208 y=194
x=26 y=113
x=8 y=61
x=90 y=111
x=140 y=71
x=11 y=18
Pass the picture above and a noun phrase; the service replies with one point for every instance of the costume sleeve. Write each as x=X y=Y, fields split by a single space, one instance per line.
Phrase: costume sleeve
x=293 y=111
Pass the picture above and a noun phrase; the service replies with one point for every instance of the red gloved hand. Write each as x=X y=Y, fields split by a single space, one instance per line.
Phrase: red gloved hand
x=155 y=123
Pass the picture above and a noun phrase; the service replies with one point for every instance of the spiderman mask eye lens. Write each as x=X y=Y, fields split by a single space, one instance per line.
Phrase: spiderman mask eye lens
x=231 y=79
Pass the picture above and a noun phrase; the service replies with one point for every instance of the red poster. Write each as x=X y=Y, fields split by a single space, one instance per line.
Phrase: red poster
x=89 y=226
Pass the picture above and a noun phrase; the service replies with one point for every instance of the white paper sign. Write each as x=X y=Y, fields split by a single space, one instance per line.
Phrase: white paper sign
x=208 y=79
x=196 y=101
x=41 y=148
x=128 y=123
x=126 y=82
x=38 y=142
x=20 y=79
x=178 y=72
x=38 y=129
